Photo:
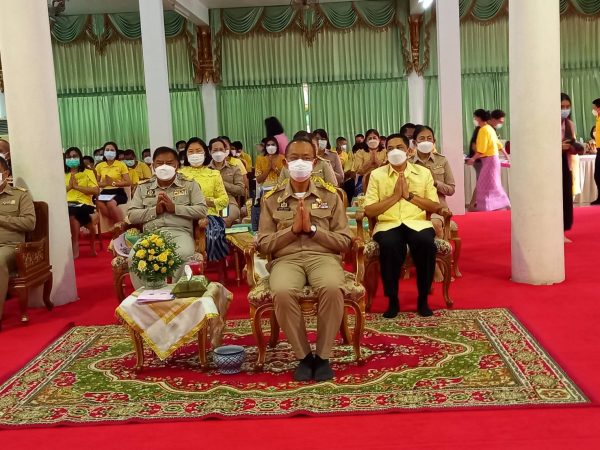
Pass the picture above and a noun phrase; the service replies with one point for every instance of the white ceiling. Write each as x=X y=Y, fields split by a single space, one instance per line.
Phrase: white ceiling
x=74 y=7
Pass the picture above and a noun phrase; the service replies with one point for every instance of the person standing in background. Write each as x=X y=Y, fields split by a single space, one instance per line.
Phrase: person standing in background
x=347 y=160
x=568 y=138
x=596 y=112
x=274 y=128
x=497 y=118
x=324 y=152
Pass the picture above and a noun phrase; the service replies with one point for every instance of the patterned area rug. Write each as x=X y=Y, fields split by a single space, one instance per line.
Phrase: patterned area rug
x=477 y=358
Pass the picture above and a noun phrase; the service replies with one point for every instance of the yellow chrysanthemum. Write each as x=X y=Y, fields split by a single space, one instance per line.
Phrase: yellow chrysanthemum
x=163 y=270
x=152 y=251
x=142 y=266
x=151 y=258
x=145 y=243
x=171 y=262
x=159 y=242
x=163 y=257
x=156 y=267
x=141 y=253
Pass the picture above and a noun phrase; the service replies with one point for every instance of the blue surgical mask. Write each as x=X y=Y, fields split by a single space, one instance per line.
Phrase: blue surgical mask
x=110 y=154
x=72 y=162
x=129 y=162
x=565 y=113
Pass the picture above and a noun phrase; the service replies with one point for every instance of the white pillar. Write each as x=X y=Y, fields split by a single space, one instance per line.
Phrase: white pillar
x=451 y=132
x=36 y=149
x=2 y=107
x=211 y=118
x=156 y=75
x=416 y=98
x=535 y=174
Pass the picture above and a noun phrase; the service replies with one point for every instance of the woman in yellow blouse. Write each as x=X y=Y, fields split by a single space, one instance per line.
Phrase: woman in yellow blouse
x=196 y=160
x=81 y=185
x=269 y=164
x=113 y=176
x=367 y=160
x=490 y=194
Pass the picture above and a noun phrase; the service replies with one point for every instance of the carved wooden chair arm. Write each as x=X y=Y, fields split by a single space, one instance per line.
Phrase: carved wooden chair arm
x=447 y=215
x=358 y=248
x=251 y=277
x=200 y=236
x=29 y=255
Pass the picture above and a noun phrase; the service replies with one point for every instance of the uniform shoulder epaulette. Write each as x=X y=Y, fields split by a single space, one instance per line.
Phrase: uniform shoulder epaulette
x=320 y=182
x=147 y=180
x=19 y=188
x=279 y=187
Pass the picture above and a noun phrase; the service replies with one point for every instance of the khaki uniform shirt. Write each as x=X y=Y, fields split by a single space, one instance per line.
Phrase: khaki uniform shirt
x=187 y=196
x=233 y=180
x=17 y=215
x=278 y=210
x=442 y=174
x=322 y=170
x=336 y=165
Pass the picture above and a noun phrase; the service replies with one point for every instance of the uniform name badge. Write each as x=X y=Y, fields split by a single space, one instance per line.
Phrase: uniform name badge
x=179 y=192
x=319 y=204
x=283 y=206
x=150 y=193
x=9 y=202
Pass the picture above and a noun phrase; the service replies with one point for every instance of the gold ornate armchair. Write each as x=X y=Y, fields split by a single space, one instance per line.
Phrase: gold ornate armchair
x=120 y=264
x=372 y=266
x=33 y=263
x=261 y=303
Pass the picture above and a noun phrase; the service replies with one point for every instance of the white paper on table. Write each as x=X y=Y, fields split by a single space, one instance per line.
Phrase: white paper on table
x=155 y=295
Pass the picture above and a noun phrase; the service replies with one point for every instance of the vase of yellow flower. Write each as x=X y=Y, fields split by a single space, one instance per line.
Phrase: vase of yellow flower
x=155 y=258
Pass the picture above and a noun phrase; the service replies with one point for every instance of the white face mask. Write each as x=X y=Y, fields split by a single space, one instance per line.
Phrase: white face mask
x=110 y=154
x=500 y=125
x=196 y=159
x=219 y=156
x=475 y=123
x=165 y=172
x=425 y=147
x=373 y=143
x=344 y=147
x=595 y=112
x=322 y=144
x=97 y=158
x=396 y=157
x=300 y=170
x=271 y=149
x=148 y=160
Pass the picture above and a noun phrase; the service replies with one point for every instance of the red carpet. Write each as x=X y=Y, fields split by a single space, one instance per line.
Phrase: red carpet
x=564 y=318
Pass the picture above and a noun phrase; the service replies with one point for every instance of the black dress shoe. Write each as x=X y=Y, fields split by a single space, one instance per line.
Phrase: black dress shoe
x=596 y=202
x=323 y=371
x=304 y=371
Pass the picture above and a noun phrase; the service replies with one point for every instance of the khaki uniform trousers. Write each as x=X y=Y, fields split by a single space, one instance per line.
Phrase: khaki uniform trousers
x=234 y=214
x=289 y=274
x=7 y=265
x=185 y=249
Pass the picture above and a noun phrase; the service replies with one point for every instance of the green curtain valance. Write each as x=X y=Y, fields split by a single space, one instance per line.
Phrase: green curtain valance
x=276 y=19
x=484 y=10
x=102 y=28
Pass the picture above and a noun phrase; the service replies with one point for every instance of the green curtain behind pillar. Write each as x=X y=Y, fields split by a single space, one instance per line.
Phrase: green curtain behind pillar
x=348 y=108
x=485 y=79
x=102 y=98
x=242 y=111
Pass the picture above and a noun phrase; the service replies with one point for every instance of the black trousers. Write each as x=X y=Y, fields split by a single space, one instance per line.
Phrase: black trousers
x=567 y=185
x=392 y=253
x=597 y=171
x=349 y=187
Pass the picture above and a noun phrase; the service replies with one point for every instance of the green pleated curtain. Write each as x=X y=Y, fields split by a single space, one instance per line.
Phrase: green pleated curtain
x=242 y=111
x=484 y=59
x=347 y=108
x=101 y=84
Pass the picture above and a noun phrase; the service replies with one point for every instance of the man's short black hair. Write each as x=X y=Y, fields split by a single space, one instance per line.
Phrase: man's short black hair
x=146 y=150
x=359 y=135
x=497 y=114
x=162 y=150
x=298 y=140
x=302 y=134
x=596 y=103
x=178 y=143
x=237 y=145
x=398 y=136
x=129 y=152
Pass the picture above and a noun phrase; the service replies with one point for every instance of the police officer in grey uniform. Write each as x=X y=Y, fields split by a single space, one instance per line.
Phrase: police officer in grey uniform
x=168 y=202
x=17 y=217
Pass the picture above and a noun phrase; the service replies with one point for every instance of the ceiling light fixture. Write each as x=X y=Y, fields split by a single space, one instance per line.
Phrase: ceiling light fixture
x=425 y=3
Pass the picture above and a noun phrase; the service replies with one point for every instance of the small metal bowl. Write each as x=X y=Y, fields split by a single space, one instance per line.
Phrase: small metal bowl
x=229 y=358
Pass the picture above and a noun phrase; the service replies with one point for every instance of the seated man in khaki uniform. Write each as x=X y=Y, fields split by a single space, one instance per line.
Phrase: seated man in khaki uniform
x=17 y=216
x=168 y=202
x=303 y=226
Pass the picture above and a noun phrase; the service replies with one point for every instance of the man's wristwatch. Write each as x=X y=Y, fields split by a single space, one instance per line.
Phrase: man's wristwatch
x=114 y=184
x=410 y=197
x=313 y=230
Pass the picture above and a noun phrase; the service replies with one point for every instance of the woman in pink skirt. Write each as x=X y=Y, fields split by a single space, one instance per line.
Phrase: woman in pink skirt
x=490 y=193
